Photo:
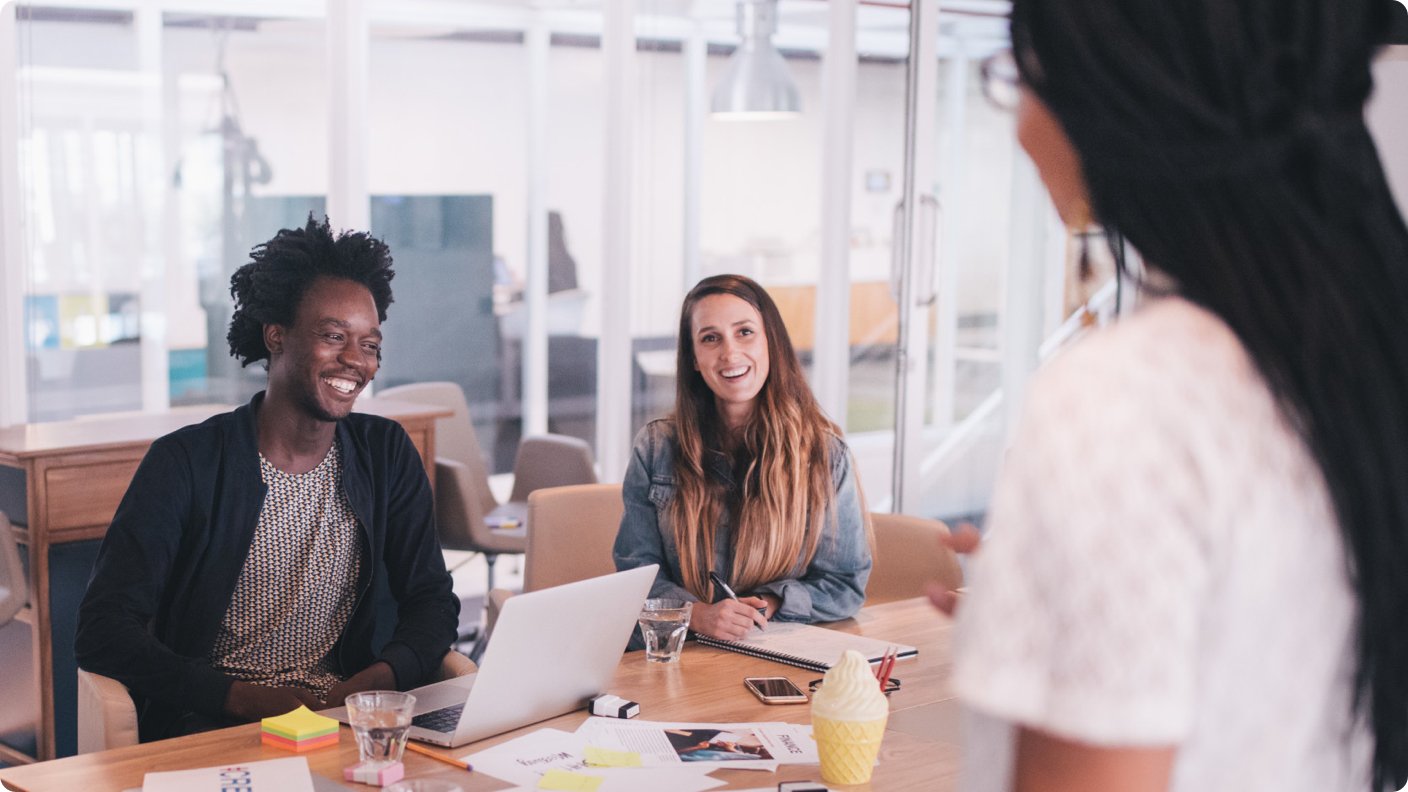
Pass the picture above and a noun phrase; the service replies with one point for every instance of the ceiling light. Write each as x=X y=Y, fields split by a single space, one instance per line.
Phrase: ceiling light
x=756 y=83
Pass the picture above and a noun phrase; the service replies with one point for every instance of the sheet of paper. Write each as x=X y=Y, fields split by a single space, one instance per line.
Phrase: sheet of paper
x=648 y=779
x=524 y=760
x=565 y=781
x=273 y=775
x=320 y=784
x=737 y=746
x=601 y=757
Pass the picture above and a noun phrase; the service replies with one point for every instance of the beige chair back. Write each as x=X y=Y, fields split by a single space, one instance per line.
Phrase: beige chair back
x=107 y=718
x=551 y=460
x=455 y=438
x=462 y=494
x=570 y=533
x=907 y=556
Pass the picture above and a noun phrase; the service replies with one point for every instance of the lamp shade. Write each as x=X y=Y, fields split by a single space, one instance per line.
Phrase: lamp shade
x=756 y=83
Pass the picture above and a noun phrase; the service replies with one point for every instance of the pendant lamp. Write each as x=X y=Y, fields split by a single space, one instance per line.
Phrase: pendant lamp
x=756 y=83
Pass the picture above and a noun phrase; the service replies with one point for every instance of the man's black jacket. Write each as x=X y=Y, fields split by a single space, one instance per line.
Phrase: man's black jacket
x=168 y=566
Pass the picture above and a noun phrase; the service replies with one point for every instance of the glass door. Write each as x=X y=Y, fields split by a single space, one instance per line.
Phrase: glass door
x=970 y=276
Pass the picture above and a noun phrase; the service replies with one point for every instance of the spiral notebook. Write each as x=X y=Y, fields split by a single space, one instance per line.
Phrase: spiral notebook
x=805 y=646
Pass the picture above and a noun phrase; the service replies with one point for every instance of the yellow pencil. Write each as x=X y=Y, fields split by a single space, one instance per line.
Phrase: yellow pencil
x=460 y=763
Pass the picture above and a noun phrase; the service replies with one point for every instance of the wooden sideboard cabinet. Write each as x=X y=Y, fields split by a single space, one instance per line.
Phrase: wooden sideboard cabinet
x=60 y=484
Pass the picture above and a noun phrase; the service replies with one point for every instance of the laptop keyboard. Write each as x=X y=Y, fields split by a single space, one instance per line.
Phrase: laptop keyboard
x=443 y=720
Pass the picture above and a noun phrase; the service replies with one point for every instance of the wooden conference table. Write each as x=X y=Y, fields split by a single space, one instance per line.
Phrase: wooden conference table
x=920 y=750
x=60 y=484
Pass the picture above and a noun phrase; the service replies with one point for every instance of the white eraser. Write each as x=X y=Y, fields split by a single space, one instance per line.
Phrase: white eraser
x=609 y=706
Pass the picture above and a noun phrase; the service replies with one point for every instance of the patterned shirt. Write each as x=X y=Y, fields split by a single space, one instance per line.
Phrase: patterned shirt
x=298 y=585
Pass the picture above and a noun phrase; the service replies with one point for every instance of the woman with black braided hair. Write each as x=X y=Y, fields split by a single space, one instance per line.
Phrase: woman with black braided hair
x=1196 y=576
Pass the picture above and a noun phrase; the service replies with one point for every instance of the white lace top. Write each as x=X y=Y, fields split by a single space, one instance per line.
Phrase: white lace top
x=1163 y=566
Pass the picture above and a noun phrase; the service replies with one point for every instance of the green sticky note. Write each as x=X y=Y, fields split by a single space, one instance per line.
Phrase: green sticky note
x=602 y=757
x=569 y=782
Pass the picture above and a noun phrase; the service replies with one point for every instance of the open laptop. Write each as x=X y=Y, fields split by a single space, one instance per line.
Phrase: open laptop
x=550 y=652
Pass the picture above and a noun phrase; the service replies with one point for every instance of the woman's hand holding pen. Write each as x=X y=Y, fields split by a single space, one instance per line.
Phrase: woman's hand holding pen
x=729 y=619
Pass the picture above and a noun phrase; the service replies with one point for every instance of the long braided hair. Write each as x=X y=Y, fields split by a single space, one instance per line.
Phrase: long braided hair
x=1226 y=141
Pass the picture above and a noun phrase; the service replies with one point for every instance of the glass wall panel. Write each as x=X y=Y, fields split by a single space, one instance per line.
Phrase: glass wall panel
x=975 y=148
x=573 y=134
x=252 y=94
x=156 y=149
x=882 y=45
x=86 y=165
x=451 y=132
x=445 y=138
x=719 y=194
x=761 y=186
x=669 y=134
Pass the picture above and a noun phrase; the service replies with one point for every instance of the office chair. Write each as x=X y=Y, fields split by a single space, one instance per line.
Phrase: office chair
x=907 y=556
x=466 y=510
x=570 y=534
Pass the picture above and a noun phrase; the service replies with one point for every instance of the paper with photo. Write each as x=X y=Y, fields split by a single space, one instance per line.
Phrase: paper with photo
x=739 y=746
x=708 y=746
x=524 y=760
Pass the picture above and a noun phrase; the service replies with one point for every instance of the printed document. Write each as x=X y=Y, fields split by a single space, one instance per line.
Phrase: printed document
x=737 y=746
x=526 y=760
x=270 y=775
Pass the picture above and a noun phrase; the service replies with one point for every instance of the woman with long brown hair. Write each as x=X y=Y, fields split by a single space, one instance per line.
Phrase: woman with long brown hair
x=747 y=480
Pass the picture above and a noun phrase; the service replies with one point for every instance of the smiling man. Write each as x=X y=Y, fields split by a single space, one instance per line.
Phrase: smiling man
x=283 y=553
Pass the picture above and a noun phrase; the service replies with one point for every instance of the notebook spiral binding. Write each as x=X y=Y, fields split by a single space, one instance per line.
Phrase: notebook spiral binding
x=792 y=660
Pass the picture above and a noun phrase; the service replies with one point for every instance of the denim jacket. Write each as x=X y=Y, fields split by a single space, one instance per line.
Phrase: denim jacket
x=831 y=587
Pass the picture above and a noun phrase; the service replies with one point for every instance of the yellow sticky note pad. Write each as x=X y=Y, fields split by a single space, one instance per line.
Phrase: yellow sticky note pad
x=301 y=724
x=569 y=782
x=602 y=757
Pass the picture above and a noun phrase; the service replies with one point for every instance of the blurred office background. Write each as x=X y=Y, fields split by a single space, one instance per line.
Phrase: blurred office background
x=552 y=176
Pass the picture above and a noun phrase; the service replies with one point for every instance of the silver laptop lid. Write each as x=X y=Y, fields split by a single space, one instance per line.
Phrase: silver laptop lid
x=551 y=650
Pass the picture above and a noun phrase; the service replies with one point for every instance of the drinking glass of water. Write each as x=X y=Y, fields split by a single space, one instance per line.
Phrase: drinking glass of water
x=380 y=720
x=663 y=623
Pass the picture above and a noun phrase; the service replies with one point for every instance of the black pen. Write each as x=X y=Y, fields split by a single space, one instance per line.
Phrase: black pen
x=718 y=581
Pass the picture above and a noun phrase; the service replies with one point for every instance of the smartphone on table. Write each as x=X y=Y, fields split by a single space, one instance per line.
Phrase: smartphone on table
x=775 y=690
